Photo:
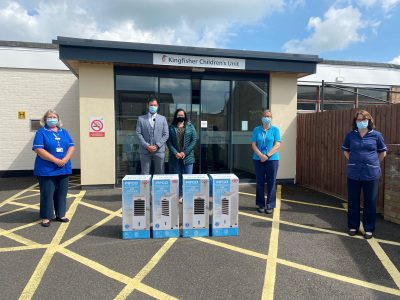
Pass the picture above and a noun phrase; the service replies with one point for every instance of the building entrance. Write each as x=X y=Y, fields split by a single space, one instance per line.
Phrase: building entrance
x=224 y=109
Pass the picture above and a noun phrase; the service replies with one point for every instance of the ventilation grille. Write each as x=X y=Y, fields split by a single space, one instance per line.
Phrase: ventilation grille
x=225 y=206
x=199 y=206
x=165 y=207
x=139 y=207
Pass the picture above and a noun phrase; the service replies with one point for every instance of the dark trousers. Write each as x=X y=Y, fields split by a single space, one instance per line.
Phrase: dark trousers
x=370 y=191
x=266 y=173
x=53 y=196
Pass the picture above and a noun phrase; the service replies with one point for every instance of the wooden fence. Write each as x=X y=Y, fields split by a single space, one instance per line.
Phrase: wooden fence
x=321 y=164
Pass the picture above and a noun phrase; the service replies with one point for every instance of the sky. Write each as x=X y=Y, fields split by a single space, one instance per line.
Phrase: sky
x=357 y=30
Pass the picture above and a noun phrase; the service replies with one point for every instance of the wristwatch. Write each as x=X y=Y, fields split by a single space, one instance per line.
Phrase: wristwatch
x=268 y=156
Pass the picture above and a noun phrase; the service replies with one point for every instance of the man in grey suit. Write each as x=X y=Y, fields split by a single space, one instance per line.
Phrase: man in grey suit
x=152 y=131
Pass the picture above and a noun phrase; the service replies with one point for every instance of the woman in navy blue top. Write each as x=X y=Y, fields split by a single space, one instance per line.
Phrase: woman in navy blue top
x=54 y=148
x=364 y=148
x=265 y=142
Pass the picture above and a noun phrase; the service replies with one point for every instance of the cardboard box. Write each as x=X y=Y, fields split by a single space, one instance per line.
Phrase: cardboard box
x=196 y=190
x=136 y=207
x=165 y=193
x=225 y=204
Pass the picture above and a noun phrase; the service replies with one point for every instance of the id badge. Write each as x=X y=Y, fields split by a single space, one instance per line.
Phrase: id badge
x=59 y=150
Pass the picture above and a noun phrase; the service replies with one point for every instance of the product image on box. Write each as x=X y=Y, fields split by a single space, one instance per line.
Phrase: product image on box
x=195 y=205
x=165 y=192
x=225 y=199
x=136 y=206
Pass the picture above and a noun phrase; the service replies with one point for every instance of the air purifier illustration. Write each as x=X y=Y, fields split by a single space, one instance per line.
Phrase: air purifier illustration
x=169 y=211
x=139 y=212
x=200 y=214
x=229 y=209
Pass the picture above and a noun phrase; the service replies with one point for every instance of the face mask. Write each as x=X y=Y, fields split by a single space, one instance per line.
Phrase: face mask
x=153 y=109
x=51 y=122
x=180 y=119
x=362 y=124
x=266 y=120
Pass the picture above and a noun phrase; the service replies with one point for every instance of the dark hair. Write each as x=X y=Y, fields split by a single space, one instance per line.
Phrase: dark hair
x=175 y=120
x=151 y=99
x=366 y=115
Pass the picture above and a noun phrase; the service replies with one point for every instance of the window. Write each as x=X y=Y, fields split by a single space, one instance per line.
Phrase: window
x=35 y=124
x=307 y=92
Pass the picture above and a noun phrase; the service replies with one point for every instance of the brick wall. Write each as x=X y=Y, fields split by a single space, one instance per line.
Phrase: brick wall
x=34 y=91
x=392 y=184
x=395 y=97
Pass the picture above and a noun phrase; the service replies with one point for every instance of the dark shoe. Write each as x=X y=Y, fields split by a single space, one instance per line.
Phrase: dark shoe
x=260 y=210
x=352 y=232
x=45 y=224
x=367 y=235
x=63 y=220
x=269 y=211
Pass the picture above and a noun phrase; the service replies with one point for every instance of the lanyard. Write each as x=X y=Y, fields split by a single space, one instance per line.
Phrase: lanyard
x=57 y=138
x=264 y=135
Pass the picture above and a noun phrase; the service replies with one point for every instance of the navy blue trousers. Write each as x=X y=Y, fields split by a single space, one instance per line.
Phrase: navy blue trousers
x=370 y=192
x=266 y=174
x=53 y=196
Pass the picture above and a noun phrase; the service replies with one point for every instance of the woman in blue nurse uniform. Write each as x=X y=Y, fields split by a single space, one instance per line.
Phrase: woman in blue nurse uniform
x=54 y=148
x=266 y=140
x=364 y=148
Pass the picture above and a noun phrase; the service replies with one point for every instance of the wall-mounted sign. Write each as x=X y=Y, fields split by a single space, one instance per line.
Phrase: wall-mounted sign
x=198 y=61
x=96 y=127
x=203 y=124
x=21 y=115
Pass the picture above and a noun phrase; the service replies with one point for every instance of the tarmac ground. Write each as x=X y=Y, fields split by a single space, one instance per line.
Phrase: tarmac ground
x=302 y=251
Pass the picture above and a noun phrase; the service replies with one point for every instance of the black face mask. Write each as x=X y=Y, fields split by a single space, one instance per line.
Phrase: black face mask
x=180 y=119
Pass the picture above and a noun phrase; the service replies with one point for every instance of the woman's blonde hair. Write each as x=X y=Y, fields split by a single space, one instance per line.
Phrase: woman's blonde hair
x=50 y=111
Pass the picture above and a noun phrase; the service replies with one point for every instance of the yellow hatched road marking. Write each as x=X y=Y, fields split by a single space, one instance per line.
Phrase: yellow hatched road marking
x=346 y=279
x=12 y=198
x=305 y=268
x=18 y=209
x=94 y=265
x=232 y=248
x=318 y=229
x=385 y=260
x=91 y=228
x=24 y=197
x=99 y=208
x=302 y=202
x=41 y=267
x=21 y=248
x=270 y=272
x=9 y=234
x=111 y=273
x=135 y=281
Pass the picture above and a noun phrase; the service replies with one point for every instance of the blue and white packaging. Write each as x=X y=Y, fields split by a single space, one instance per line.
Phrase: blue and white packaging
x=165 y=192
x=136 y=207
x=196 y=190
x=225 y=200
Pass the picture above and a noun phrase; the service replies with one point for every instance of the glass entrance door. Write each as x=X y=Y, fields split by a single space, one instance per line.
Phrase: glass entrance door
x=224 y=113
x=215 y=126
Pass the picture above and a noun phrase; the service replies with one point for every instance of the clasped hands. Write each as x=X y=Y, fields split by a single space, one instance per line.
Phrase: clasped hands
x=180 y=155
x=152 y=148
x=61 y=162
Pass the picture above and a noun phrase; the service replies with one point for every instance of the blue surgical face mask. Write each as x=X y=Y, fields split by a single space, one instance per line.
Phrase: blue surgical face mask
x=51 y=122
x=266 y=120
x=153 y=109
x=362 y=124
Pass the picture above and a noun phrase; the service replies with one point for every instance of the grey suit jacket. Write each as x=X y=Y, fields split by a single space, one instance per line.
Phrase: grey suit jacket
x=144 y=132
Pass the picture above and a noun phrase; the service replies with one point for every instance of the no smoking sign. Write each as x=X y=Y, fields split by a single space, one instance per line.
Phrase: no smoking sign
x=96 y=127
